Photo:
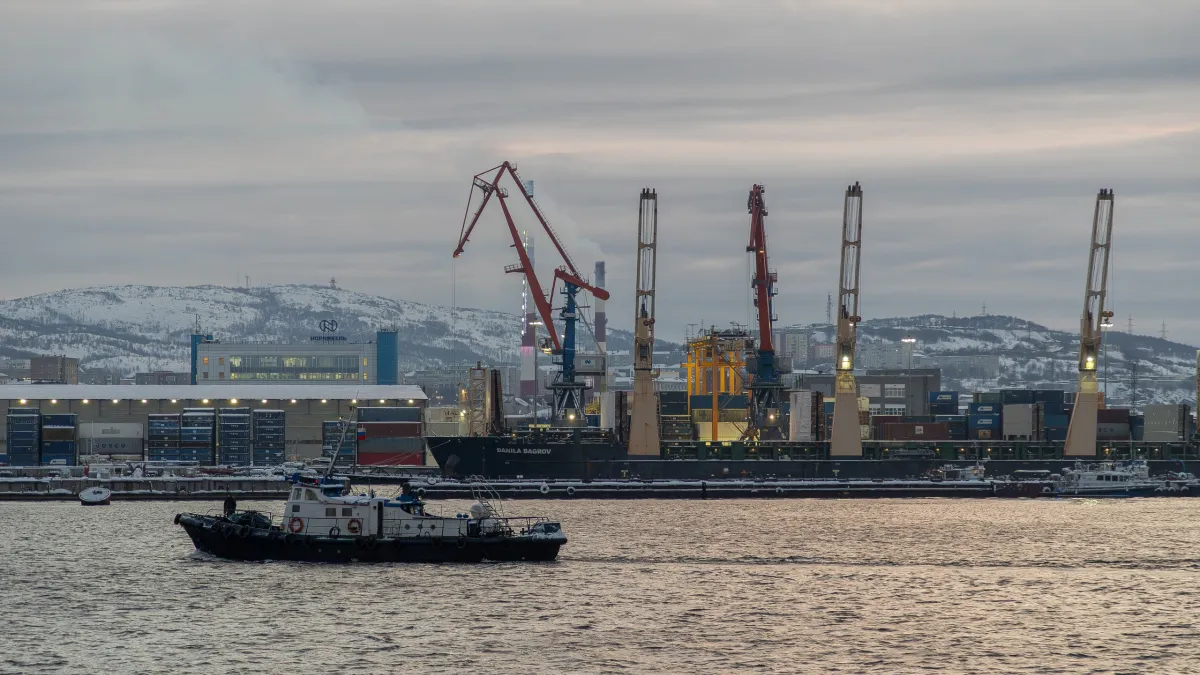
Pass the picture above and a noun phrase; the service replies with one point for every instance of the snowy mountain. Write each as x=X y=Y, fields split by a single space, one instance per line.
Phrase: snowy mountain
x=1032 y=355
x=125 y=329
x=135 y=328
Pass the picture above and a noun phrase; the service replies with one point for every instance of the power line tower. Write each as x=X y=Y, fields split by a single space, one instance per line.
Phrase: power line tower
x=1164 y=329
x=1129 y=325
x=829 y=309
x=1133 y=383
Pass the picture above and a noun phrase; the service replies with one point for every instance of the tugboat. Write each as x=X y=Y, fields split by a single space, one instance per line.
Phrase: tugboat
x=323 y=522
x=1108 y=479
x=95 y=496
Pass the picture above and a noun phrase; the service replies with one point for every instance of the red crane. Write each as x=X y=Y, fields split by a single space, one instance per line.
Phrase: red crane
x=488 y=183
x=766 y=391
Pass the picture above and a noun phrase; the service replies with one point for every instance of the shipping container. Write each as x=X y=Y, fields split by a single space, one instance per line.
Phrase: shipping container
x=907 y=431
x=1022 y=422
x=943 y=409
x=1055 y=422
x=1167 y=423
x=986 y=397
x=59 y=420
x=389 y=414
x=372 y=430
x=944 y=397
x=982 y=434
x=981 y=408
x=1057 y=434
x=111 y=446
x=800 y=421
x=1049 y=396
x=984 y=422
x=1013 y=396
x=1113 y=431
x=59 y=453
x=1113 y=415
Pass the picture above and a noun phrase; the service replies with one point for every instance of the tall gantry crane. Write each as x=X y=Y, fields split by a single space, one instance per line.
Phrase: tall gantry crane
x=568 y=392
x=766 y=391
x=643 y=427
x=846 y=439
x=1081 y=431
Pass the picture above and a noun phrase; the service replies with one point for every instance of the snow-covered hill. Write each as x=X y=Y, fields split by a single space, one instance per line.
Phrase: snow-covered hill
x=130 y=328
x=133 y=328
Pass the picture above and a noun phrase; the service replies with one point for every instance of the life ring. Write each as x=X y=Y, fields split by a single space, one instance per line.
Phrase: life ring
x=571 y=490
x=778 y=490
x=335 y=531
x=354 y=526
x=432 y=480
x=544 y=489
x=296 y=525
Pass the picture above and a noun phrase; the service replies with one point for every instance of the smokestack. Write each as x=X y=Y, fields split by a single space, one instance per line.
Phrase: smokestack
x=528 y=334
x=601 y=327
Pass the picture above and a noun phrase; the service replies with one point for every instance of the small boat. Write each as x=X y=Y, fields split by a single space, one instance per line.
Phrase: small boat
x=322 y=522
x=1108 y=479
x=95 y=496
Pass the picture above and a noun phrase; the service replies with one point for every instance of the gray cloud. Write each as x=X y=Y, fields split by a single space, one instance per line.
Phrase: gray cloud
x=173 y=142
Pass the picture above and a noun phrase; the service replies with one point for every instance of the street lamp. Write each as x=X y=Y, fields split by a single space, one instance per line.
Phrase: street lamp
x=1105 y=324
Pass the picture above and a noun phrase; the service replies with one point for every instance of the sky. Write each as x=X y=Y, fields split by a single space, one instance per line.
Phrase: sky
x=174 y=142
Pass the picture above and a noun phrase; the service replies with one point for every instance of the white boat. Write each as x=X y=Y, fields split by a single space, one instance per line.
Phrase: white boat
x=95 y=496
x=1108 y=479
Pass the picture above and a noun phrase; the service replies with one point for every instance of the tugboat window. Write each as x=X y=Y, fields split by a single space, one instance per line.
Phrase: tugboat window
x=331 y=513
x=347 y=512
x=310 y=495
x=295 y=508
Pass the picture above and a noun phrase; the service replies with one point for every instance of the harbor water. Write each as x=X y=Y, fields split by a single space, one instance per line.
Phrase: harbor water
x=855 y=586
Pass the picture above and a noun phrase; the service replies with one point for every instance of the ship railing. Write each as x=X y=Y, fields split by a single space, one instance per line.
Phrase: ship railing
x=514 y=525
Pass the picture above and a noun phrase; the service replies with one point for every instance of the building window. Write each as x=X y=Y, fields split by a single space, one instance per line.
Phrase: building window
x=205 y=375
x=221 y=375
x=364 y=362
x=206 y=360
x=221 y=361
x=893 y=391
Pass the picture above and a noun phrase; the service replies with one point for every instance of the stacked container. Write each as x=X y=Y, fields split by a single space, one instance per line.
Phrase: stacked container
x=1112 y=424
x=914 y=431
x=1054 y=426
x=389 y=437
x=1022 y=422
x=233 y=437
x=943 y=403
x=23 y=426
x=162 y=437
x=983 y=427
x=269 y=437
x=1165 y=423
x=60 y=439
x=198 y=436
x=956 y=426
x=329 y=441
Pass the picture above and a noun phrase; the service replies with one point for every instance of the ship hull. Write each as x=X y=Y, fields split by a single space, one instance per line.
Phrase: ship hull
x=226 y=540
x=517 y=457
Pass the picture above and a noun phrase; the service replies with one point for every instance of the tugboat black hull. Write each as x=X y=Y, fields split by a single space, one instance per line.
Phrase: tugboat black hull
x=223 y=539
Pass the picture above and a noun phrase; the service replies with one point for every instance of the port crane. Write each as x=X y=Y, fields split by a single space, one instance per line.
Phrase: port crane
x=1081 y=430
x=846 y=439
x=643 y=426
x=766 y=391
x=567 y=390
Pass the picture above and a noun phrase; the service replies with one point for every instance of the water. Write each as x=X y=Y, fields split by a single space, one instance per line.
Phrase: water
x=881 y=586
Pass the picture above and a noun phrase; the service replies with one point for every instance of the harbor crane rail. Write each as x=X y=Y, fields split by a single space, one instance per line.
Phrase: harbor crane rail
x=1081 y=430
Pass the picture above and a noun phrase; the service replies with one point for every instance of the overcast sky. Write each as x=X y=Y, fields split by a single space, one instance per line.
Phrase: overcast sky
x=172 y=142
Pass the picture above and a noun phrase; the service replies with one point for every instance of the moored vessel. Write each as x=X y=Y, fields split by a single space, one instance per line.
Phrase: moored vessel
x=95 y=496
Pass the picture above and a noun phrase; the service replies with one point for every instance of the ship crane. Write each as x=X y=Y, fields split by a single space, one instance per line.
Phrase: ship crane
x=1081 y=431
x=766 y=390
x=846 y=439
x=643 y=427
x=568 y=392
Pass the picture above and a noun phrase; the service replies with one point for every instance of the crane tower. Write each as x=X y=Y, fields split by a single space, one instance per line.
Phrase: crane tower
x=643 y=428
x=766 y=390
x=846 y=439
x=1081 y=431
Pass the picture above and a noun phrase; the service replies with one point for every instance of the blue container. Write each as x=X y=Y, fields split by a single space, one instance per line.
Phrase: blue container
x=983 y=422
x=1055 y=421
x=984 y=408
x=1055 y=434
x=59 y=420
x=1053 y=408
x=944 y=397
x=943 y=409
x=956 y=431
x=828 y=407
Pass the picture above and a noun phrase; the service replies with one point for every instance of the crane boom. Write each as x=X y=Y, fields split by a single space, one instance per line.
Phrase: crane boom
x=1081 y=431
x=846 y=440
x=766 y=391
x=643 y=427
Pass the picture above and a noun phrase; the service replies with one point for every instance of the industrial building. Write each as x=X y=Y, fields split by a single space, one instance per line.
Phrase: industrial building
x=115 y=420
x=890 y=392
x=54 y=369
x=324 y=360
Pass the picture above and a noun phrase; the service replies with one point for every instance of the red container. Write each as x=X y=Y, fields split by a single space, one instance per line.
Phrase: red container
x=1113 y=415
x=916 y=431
x=369 y=431
x=879 y=422
x=410 y=458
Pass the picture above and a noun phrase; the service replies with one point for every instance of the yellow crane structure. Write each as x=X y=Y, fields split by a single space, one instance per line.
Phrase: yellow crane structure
x=1081 y=431
x=846 y=438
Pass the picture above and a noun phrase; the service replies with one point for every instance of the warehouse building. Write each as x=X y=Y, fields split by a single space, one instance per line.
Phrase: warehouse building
x=114 y=420
x=891 y=392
